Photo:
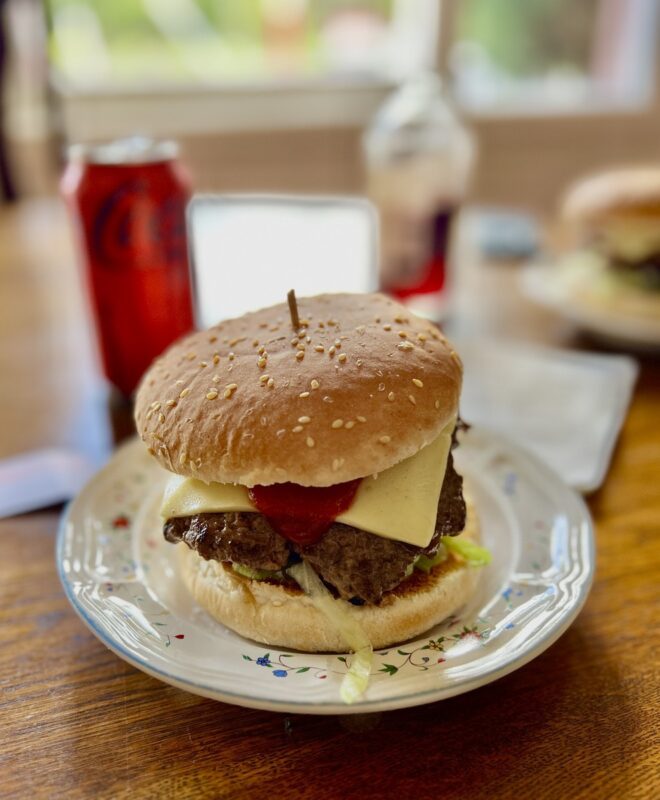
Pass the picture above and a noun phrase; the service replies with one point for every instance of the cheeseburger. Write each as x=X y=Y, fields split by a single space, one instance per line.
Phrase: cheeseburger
x=312 y=488
x=618 y=215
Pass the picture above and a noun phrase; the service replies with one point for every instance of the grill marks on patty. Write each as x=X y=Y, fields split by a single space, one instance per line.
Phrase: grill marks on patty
x=356 y=563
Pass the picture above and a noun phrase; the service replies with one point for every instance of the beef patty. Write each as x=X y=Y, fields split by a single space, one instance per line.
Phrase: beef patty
x=358 y=564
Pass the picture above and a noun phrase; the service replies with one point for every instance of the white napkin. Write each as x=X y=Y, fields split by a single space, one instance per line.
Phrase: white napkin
x=566 y=407
x=41 y=478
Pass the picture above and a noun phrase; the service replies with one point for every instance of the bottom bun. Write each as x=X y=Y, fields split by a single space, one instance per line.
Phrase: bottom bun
x=286 y=617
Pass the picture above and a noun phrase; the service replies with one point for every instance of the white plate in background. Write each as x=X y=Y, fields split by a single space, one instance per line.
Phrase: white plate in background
x=545 y=283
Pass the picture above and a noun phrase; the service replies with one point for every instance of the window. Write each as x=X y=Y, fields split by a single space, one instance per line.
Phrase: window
x=136 y=43
x=550 y=56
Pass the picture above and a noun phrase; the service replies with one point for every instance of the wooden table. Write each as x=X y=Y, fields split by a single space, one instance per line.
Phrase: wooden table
x=580 y=721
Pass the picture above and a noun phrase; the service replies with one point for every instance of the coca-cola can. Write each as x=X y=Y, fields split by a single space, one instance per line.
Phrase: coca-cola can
x=128 y=199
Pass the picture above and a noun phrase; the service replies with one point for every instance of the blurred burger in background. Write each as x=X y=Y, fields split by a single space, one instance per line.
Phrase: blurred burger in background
x=617 y=214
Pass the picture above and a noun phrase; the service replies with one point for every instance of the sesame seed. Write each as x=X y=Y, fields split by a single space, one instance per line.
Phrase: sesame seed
x=377 y=320
x=213 y=339
x=255 y=342
x=437 y=404
x=405 y=346
x=227 y=394
x=314 y=383
x=359 y=362
x=335 y=464
x=203 y=364
x=349 y=424
x=216 y=359
x=300 y=355
x=337 y=342
x=185 y=392
x=381 y=387
x=155 y=405
x=212 y=394
x=263 y=378
x=342 y=357
x=332 y=322
x=304 y=420
x=216 y=379
x=422 y=337
x=309 y=441
x=403 y=334
x=319 y=348
x=161 y=417
x=150 y=413
x=191 y=356
x=261 y=363
x=361 y=329
x=297 y=429
x=308 y=339
x=303 y=394
x=300 y=346
x=261 y=350
x=361 y=419
x=338 y=423
x=390 y=396
x=387 y=327
x=182 y=458
x=232 y=386
x=232 y=356
x=170 y=403
x=327 y=399
x=280 y=433
x=321 y=324
x=270 y=383
x=332 y=351
x=304 y=322
x=179 y=382
x=417 y=382
x=412 y=399
x=399 y=318
x=384 y=439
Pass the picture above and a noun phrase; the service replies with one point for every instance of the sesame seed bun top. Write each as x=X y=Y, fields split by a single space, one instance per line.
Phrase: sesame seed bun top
x=626 y=192
x=360 y=386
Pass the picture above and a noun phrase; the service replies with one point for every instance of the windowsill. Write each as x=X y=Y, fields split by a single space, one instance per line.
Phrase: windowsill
x=292 y=104
x=224 y=108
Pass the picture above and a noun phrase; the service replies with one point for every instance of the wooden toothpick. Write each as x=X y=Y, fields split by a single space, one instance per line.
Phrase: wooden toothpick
x=293 y=309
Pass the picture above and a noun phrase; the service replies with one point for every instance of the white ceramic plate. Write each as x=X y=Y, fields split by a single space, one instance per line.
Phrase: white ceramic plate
x=119 y=574
x=544 y=283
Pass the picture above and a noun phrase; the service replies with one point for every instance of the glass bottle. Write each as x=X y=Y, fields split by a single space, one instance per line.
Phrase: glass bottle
x=418 y=157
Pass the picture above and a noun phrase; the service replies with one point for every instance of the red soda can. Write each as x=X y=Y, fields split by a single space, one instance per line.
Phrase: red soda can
x=128 y=199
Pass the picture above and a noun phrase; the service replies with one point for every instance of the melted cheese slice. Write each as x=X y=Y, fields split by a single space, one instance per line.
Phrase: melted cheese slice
x=400 y=503
x=632 y=239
